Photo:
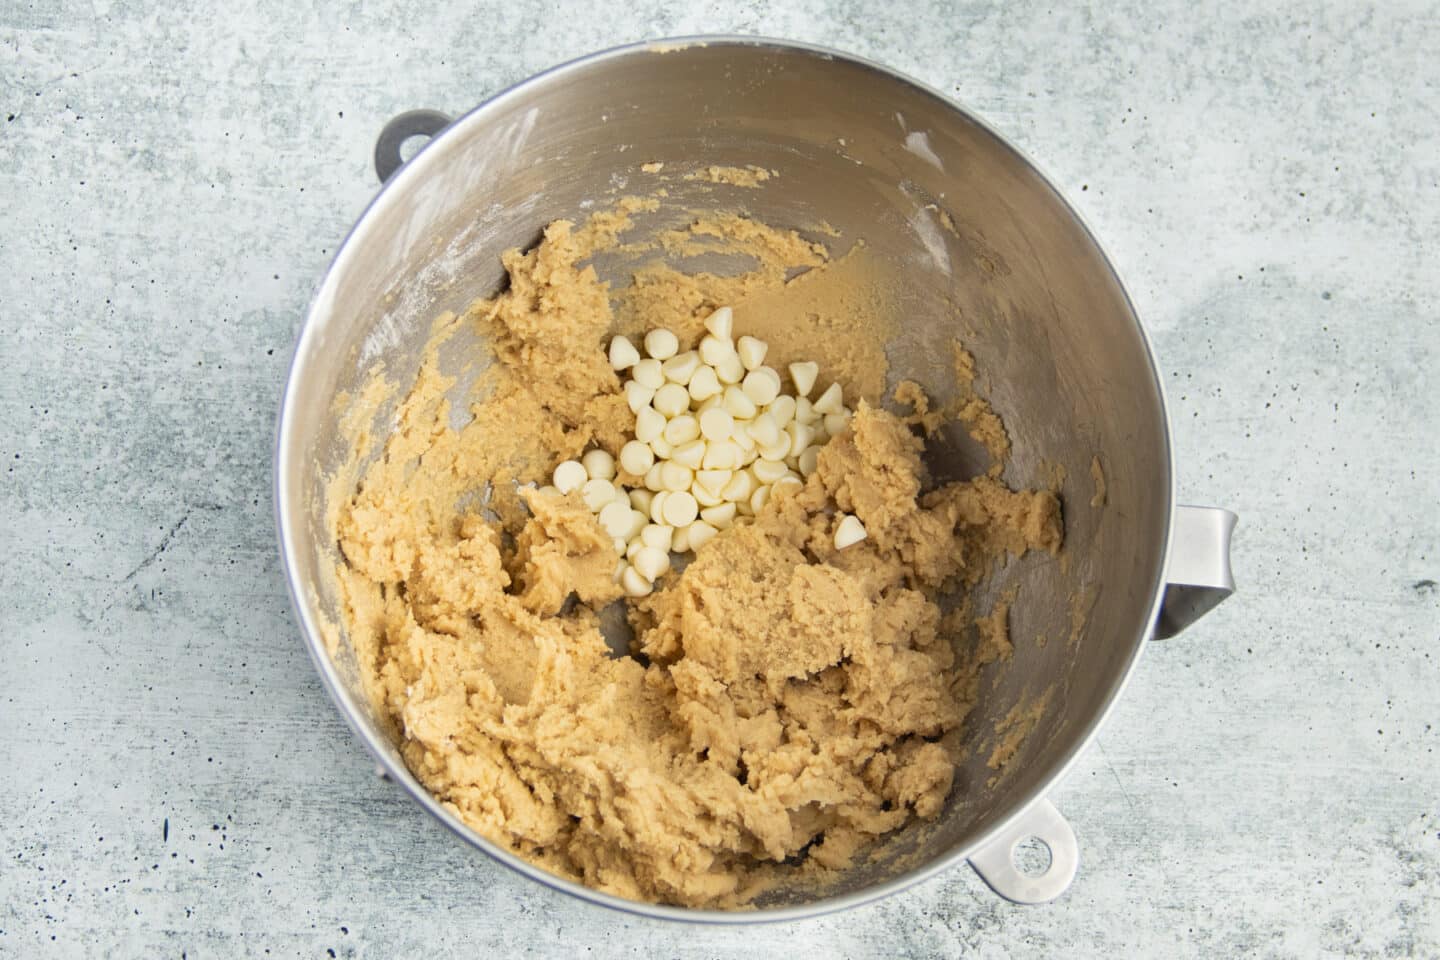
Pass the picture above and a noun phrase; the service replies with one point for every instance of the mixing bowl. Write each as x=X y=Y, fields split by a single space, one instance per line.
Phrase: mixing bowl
x=984 y=249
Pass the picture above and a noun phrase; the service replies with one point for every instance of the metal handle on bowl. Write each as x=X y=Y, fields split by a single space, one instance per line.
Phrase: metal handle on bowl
x=412 y=123
x=1198 y=575
x=996 y=862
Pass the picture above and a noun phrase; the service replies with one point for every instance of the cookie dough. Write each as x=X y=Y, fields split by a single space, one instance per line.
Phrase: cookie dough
x=783 y=704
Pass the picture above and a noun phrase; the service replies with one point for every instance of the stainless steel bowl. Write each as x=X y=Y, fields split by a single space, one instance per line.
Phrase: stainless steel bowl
x=878 y=156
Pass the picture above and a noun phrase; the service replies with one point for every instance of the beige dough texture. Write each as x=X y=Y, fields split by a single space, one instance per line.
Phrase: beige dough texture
x=784 y=704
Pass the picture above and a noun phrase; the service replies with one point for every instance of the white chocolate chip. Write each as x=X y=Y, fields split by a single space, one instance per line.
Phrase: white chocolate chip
x=721 y=454
x=596 y=493
x=615 y=518
x=713 y=350
x=598 y=464
x=657 y=506
x=671 y=400
x=704 y=384
x=720 y=516
x=768 y=471
x=570 y=475
x=848 y=532
x=740 y=406
x=761 y=385
x=776 y=451
x=801 y=435
x=632 y=548
x=803 y=376
x=805 y=412
x=744 y=443
x=751 y=351
x=657 y=535
x=652 y=479
x=787 y=483
x=721 y=322
x=809 y=460
x=647 y=373
x=704 y=497
x=638 y=520
x=835 y=423
x=651 y=562
x=690 y=454
x=661 y=344
x=634 y=584
x=637 y=395
x=636 y=458
x=680 y=509
x=730 y=370
x=649 y=424
x=681 y=541
x=661 y=447
x=620 y=567
x=675 y=477
x=699 y=533
x=681 y=367
x=713 y=480
x=830 y=401
x=640 y=499
x=549 y=490
x=717 y=423
x=623 y=353
x=682 y=429
x=763 y=430
x=741 y=485
x=759 y=498
x=782 y=408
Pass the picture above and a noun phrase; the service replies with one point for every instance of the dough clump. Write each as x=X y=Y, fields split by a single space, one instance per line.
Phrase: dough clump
x=784 y=703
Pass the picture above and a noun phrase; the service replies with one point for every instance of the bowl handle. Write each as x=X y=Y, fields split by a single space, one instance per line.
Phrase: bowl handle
x=996 y=861
x=1198 y=572
x=412 y=123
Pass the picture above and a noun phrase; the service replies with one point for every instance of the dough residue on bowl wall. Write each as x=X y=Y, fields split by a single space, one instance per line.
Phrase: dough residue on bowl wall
x=784 y=702
x=748 y=176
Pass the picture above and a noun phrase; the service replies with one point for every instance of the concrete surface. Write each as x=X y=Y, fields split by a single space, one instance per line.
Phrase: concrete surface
x=176 y=784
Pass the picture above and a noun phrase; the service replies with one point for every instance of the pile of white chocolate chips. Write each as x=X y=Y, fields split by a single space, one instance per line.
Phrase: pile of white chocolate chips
x=716 y=435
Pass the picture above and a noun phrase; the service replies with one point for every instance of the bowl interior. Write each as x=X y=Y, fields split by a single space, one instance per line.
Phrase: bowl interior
x=987 y=251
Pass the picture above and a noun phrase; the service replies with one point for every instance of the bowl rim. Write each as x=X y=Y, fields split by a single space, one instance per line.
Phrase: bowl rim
x=290 y=525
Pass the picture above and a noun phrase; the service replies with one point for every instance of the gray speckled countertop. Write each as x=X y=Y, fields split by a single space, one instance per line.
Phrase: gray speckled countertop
x=175 y=783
